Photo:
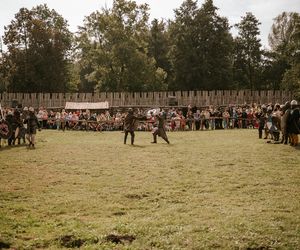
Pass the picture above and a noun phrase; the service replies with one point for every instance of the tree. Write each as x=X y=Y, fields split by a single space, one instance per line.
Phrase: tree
x=39 y=45
x=273 y=69
x=216 y=47
x=159 y=47
x=284 y=40
x=202 y=47
x=248 y=53
x=183 y=53
x=283 y=30
x=113 y=49
x=3 y=74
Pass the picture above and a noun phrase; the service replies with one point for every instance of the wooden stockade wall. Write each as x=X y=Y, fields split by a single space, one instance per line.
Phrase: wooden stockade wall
x=149 y=99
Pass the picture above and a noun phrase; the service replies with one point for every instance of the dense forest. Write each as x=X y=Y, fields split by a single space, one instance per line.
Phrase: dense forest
x=120 y=49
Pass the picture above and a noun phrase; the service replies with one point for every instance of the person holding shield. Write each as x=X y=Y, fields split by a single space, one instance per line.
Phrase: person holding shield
x=5 y=127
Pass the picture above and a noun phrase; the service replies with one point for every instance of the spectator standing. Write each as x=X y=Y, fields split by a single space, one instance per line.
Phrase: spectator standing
x=57 y=120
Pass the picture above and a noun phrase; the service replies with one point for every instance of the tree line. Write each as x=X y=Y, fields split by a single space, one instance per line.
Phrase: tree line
x=119 y=49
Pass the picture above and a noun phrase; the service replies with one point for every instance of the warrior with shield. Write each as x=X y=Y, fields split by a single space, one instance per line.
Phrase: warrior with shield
x=5 y=127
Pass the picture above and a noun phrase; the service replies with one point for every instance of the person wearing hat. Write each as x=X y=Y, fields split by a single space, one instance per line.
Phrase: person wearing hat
x=159 y=130
x=129 y=125
x=294 y=123
x=32 y=125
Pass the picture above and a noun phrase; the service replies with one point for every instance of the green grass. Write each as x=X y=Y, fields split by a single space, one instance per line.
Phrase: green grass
x=206 y=190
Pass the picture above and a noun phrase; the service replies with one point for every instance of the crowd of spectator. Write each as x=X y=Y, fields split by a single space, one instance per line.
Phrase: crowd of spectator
x=177 y=119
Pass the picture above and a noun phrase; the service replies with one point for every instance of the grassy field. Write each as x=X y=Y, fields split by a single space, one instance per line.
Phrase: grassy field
x=206 y=190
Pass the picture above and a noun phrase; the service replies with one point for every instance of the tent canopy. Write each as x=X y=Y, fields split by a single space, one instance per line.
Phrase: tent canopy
x=86 y=105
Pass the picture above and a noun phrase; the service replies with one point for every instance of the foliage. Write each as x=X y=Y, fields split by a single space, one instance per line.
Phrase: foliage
x=248 y=53
x=291 y=78
x=39 y=44
x=118 y=49
x=4 y=74
x=284 y=40
x=273 y=69
x=113 y=49
x=159 y=47
x=283 y=31
x=202 y=47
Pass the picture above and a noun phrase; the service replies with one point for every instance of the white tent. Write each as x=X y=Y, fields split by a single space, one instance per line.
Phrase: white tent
x=86 y=105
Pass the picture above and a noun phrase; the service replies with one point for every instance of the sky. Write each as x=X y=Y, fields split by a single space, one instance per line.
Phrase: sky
x=74 y=11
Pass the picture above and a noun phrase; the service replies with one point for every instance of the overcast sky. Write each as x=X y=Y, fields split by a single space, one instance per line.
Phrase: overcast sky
x=75 y=10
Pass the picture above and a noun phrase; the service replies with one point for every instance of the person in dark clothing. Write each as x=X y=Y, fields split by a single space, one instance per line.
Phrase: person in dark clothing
x=17 y=126
x=293 y=124
x=32 y=125
x=197 y=119
x=261 y=116
x=92 y=123
x=284 y=122
x=129 y=125
x=159 y=130
x=5 y=128
x=244 y=118
x=10 y=120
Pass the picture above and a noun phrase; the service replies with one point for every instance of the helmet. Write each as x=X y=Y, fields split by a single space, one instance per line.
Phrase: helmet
x=31 y=109
x=294 y=103
x=263 y=107
x=25 y=109
x=269 y=108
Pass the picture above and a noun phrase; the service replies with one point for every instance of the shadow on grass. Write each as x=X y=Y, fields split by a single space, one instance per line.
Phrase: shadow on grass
x=4 y=245
x=10 y=147
x=137 y=146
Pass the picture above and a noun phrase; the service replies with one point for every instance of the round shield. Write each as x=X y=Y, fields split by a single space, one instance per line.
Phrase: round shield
x=5 y=129
x=152 y=112
x=17 y=132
